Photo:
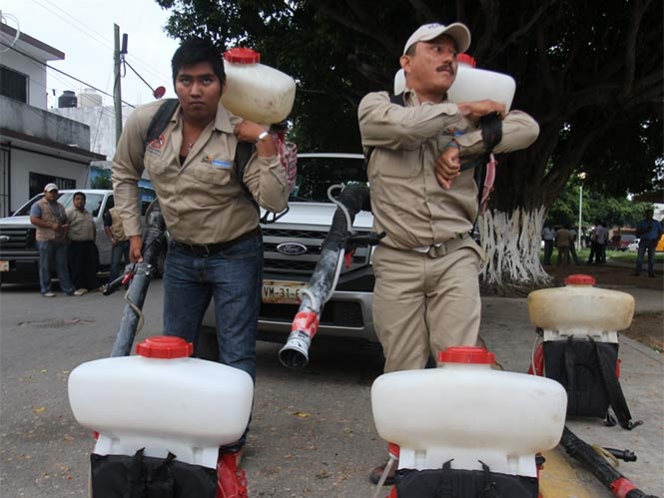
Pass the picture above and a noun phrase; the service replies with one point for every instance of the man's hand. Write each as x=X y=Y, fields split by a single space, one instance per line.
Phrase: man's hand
x=475 y=110
x=248 y=131
x=135 y=246
x=448 y=167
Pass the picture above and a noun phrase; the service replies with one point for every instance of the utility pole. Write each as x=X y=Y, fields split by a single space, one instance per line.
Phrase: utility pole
x=117 y=93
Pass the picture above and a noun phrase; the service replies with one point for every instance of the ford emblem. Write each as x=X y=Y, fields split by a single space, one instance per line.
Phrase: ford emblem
x=292 y=248
x=4 y=238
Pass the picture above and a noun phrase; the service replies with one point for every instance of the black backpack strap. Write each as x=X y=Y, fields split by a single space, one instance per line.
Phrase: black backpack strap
x=445 y=486
x=161 y=119
x=613 y=389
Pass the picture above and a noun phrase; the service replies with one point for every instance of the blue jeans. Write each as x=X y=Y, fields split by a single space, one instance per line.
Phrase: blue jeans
x=650 y=246
x=234 y=278
x=119 y=252
x=51 y=253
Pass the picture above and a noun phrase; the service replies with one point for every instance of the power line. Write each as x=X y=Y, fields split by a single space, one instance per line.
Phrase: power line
x=106 y=42
x=62 y=72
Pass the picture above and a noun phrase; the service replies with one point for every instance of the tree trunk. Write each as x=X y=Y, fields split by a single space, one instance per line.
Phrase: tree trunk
x=511 y=242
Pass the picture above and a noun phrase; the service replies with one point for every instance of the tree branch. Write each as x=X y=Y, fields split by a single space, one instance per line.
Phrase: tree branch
x=638 y=10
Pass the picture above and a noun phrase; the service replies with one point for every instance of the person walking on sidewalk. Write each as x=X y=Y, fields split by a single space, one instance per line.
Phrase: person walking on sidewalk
x=426 y=296
x=83 y=253
x=649 y=231
x=50 y=218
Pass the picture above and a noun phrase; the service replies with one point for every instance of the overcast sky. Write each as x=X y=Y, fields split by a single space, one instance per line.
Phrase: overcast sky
x=83 y=30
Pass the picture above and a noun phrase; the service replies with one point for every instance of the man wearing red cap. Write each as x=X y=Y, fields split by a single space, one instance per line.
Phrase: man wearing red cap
x=426 y=296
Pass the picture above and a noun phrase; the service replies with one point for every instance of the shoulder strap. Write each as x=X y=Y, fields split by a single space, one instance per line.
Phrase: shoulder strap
x=161 y=119
x=243 y=153
x=613 y=389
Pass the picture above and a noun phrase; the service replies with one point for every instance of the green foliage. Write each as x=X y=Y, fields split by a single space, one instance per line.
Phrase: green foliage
x=615 y=211
x=590 y=72
x=102 y=180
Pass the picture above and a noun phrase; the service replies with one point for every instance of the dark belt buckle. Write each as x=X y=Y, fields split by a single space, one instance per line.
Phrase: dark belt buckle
x=437 y=251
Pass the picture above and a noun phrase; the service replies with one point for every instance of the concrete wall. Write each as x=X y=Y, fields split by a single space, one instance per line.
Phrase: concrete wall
x=25 y=119
x=101 y=120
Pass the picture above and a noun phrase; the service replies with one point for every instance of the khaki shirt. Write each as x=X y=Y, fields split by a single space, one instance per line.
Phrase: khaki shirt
x=406 y=200
x=201 y=200
x=81 y=225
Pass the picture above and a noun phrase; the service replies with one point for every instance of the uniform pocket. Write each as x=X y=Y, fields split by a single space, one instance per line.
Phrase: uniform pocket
x=214 y=175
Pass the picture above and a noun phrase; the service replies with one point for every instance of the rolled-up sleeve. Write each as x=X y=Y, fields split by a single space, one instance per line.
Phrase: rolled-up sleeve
x=126 y=172
x=393 y=126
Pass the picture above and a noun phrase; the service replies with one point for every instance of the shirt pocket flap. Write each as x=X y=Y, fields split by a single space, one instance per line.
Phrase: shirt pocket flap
x=207 y=173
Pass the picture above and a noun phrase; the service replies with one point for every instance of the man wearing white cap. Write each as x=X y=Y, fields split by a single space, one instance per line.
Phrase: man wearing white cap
x=50 y=218
x=426 y=296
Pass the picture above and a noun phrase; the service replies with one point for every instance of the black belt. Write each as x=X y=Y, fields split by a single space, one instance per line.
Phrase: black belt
x=203 y=250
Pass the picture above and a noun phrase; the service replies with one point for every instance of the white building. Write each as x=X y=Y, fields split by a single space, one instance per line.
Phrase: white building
x=36 y=146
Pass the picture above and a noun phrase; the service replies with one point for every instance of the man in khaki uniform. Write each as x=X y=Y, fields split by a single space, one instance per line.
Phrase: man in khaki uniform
x=216 y=244
x=120 y=251
x=50 y=218
x=426 y=296
x=83 y=253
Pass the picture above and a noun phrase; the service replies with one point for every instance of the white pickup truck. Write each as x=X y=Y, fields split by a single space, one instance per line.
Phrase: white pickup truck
x=292 y=246
x=19 y=257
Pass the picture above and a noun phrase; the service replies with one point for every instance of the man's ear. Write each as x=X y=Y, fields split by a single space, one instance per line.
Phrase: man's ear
x=404 y=60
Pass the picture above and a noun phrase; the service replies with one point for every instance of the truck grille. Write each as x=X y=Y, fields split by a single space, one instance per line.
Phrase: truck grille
x=16 y=238
x=302 y=264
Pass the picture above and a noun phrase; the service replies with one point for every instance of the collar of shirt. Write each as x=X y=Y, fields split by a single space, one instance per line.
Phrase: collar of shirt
x=222 y=120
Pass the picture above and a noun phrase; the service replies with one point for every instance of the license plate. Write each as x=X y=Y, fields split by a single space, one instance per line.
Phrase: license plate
x=4 y=265
x=282 y=291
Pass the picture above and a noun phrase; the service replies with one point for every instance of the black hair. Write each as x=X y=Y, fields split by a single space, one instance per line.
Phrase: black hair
x=195 y=50
x=79 y=193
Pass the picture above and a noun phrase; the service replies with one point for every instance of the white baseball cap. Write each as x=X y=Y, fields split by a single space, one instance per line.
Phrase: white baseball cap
x=49 y=187
x=457 y=31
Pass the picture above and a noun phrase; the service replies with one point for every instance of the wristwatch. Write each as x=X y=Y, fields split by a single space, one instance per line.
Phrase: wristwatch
x=262 y=135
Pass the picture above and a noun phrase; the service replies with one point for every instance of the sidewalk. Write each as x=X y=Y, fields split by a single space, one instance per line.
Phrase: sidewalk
x=507 y=331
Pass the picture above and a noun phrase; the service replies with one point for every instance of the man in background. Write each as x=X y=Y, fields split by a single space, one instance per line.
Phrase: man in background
x=50 y=218
x=83 y=253
x=116 y=234
x=649 y=231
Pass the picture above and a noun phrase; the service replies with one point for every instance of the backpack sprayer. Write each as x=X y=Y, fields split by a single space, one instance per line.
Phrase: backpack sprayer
x=339 y=240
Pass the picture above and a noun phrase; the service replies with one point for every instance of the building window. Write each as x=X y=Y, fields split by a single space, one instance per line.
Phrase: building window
x=38 y=182
x=13 y=84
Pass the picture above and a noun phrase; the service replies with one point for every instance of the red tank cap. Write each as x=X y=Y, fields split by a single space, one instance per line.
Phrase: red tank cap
x=165 y=346
x=580 y=279
x=241 y=55
x=466 y=354
x=466 y=59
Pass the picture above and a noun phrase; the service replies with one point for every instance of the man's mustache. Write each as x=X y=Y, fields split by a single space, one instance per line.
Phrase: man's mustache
x=445 y=67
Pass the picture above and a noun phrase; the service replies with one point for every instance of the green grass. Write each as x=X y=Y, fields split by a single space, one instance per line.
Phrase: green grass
x=620 y=256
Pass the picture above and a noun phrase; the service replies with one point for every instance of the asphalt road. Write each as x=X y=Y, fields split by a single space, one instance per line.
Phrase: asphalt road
x=312 y=433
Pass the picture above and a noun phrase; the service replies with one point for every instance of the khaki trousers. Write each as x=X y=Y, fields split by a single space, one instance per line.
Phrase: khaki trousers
x=423 y=305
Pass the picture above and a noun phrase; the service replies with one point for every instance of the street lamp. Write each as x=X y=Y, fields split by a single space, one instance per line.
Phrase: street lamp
x=581 y=176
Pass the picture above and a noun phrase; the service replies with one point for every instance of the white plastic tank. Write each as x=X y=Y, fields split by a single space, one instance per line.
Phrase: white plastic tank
x=162 y=400
x=89 y=98
x=254 y=91
x=473 y=84
x=466 y=411
x=581 y=309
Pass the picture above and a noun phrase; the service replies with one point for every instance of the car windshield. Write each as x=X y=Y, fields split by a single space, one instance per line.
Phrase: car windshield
x=92 y=203
x=316 y=174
